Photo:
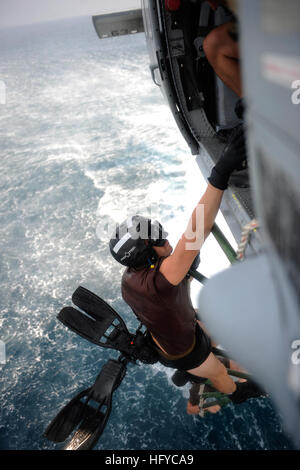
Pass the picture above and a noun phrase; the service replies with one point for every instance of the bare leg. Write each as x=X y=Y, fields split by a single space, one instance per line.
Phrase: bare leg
x=232 y=364
x=216 y=372
x=223 y=55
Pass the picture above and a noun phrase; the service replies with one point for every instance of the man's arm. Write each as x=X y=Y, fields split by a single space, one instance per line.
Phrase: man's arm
x=176 y=266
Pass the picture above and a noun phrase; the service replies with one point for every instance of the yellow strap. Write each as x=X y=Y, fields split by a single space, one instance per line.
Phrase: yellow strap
x=171 y=357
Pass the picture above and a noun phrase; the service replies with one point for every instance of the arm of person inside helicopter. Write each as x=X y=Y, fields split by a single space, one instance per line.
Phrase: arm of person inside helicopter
x=176 y=266
x=234 y=157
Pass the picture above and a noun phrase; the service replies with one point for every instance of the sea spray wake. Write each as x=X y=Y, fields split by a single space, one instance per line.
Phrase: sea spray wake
x=85 y=139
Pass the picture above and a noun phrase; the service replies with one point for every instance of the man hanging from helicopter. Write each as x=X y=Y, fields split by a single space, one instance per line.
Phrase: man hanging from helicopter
x=156 y=287
x=154 y=283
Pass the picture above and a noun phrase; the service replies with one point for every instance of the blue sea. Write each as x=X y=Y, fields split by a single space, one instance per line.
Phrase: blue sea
x=86 y=139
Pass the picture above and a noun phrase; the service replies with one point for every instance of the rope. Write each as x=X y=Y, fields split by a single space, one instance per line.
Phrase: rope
x=246 y=231
x=227 y=248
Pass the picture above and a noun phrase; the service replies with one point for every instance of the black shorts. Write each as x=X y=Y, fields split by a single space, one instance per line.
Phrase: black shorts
x=195 y=358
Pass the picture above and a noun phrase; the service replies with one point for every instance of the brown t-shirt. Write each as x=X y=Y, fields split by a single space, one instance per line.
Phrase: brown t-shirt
x=166 y=310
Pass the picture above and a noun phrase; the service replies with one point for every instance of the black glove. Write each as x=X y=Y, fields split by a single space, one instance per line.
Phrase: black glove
x=234 y=157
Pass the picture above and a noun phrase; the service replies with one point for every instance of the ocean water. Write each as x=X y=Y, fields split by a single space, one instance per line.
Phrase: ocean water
x=87 y=139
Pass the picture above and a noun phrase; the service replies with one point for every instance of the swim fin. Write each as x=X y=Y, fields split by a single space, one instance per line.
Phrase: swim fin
x=79 y=412
x=98 y=322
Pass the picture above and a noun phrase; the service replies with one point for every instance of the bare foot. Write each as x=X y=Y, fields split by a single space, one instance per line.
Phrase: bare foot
x=195 y=410
x=192 y=409
x=213 y=409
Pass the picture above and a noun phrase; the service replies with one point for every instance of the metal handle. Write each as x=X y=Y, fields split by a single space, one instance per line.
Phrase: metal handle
x=152 y=69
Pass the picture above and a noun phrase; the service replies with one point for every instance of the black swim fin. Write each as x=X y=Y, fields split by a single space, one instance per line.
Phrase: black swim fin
x=79 y=412
x=98 y=322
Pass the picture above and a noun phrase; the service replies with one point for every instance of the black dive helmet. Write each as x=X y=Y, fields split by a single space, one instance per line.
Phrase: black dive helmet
x=127 y=244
